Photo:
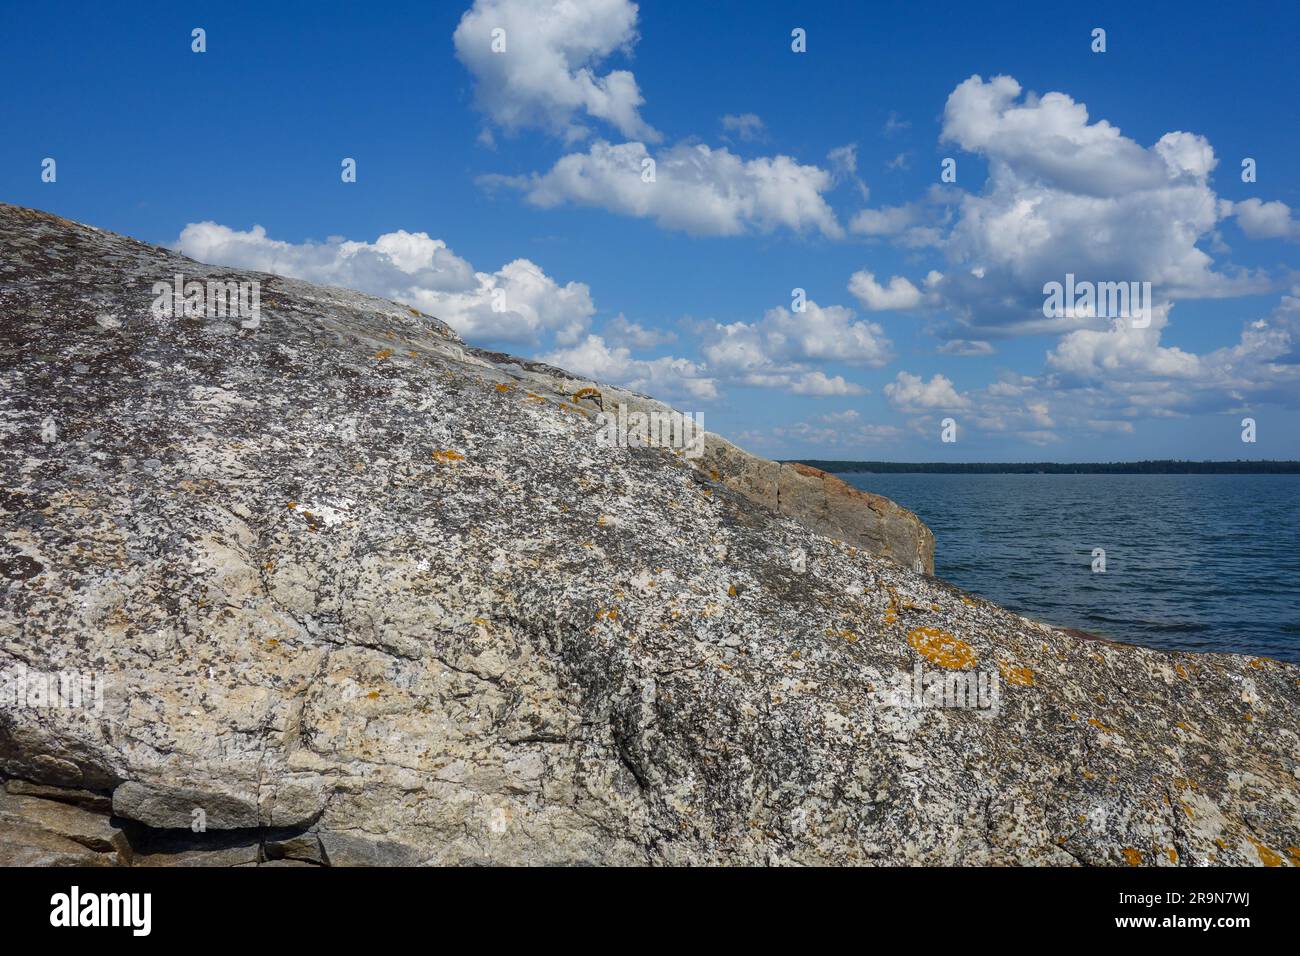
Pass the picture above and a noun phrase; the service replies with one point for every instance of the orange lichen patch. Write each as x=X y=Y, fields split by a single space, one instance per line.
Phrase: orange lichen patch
x=713 y=473
x=1131 y=856
x=413 y=354
x=724 y=667
x=1258 y=663
x=589 y=392
x=1182 y=725
x=448 y=456
x=502 y=387
x=731 y=590
x=1172 y=854
x=1016 y=676
x=481 y=622
x=536 y=398
x=795 y=654
x=846 y=634
x=1248 y=716
x=602 y=520
x=1089 y=775
x=610 y=615
x=1184 y=783
x=1266 y=856
x=1294 y=853
x=891 y=609
x=967 y=601
x=291 y=505
x=272 y=643
x=373 y=695
x=941 y=648
x=1218 y=841
x=1099 y=725
x=1180 y=670
x=383 y=354
x=269 y=565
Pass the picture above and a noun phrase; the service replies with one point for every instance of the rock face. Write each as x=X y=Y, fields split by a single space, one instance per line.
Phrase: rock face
x=341 y=590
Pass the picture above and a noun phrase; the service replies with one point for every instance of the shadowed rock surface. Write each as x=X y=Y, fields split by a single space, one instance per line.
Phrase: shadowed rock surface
x=360 y=594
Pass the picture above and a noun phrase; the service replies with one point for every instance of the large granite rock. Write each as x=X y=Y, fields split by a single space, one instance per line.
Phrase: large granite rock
x=360 y=594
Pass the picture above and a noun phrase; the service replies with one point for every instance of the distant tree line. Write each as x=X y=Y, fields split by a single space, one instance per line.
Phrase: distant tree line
x=1161 y=467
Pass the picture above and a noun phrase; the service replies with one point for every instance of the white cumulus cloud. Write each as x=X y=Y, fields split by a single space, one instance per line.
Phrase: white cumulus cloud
x=898 y=294
x=517 y=303
x=1068 y=195
x=1266 y=220
x=546 y=76
x=696 y=189
x=911 y=393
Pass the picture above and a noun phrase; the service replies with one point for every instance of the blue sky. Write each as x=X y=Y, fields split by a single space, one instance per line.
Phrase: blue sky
x=519 y=173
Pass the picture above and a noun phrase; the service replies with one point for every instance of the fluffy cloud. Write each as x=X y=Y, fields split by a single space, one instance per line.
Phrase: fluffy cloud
x=546 y=75
x=775 y=350
x=517 y=303
x=821 y=384
x=1065 y=195
x=1123 y=352
x=696 y=189
x=1103 y=382
x=1266 y=220
x=1130 y=372
x=780 y=351
x=911 y=393
x=661 y=377
x=898 y=294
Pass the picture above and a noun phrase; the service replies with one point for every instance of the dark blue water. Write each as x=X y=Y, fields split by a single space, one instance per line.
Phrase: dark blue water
x=1193 y=562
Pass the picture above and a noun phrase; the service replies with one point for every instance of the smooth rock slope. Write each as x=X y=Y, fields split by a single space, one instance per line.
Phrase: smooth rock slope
x=360 y=594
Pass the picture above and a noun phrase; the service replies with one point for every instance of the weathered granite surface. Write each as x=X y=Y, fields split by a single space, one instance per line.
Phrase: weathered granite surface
x=359 y=594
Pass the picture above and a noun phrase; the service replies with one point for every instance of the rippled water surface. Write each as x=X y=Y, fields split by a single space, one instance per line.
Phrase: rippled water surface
x=1193 y=562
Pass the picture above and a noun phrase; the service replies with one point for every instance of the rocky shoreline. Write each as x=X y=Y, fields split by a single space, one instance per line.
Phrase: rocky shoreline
x=347 y=591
